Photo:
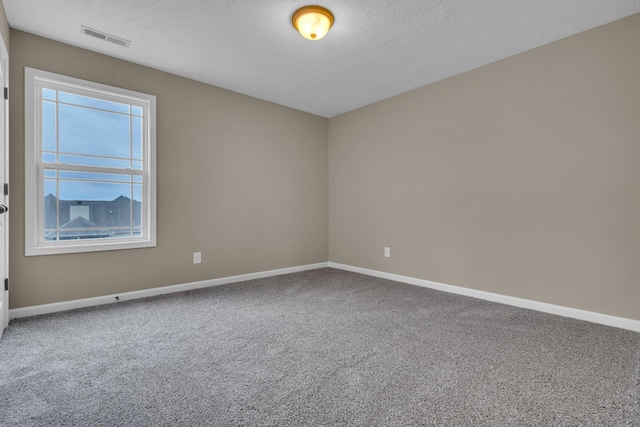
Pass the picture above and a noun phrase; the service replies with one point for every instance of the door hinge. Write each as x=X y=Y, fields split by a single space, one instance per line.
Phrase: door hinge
x=6 y=189
x=6 y=284
x=6 y=93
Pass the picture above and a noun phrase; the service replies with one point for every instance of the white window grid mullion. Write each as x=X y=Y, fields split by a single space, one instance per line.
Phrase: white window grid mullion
x=96 y=156
x=94 y=181
x=57 y=206
x=146 y=158
x=57 y=174
x=95 y=108
x=131 y=201
x=96 y=169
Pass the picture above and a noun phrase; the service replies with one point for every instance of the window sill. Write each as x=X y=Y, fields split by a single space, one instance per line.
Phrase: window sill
x=74 y=247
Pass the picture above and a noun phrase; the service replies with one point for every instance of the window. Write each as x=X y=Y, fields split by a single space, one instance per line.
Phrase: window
x=90 y=166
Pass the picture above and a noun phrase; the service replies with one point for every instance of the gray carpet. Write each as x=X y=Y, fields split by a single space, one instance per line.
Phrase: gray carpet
x=323 y=347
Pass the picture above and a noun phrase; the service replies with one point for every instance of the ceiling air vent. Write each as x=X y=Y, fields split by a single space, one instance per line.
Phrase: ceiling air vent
x=104 y=36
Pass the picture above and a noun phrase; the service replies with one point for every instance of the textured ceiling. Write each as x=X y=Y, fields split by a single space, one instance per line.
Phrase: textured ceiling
x=375 y=50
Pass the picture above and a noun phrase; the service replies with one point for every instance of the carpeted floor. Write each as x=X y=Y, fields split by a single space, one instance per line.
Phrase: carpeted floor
x=322 y=348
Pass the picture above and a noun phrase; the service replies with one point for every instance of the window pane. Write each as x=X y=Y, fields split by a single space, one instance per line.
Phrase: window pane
x=48 y=126
x=137 y=205
x=136 y=165
x=137 y=178
x=85 y=101
x=49 y=174
x=137 y=192
x=49 y=157
x=136 y=138
x=95 y=176
x=85 y=131
x=88 y=210
x=49 y=94
x=50 y=200
x=93 y=161
x=136 y=111
x=98 y=191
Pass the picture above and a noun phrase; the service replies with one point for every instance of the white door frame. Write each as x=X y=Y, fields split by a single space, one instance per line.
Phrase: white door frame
x=4 y=179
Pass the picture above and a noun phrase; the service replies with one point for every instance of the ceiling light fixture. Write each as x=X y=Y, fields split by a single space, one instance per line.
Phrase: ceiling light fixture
x=313 y=22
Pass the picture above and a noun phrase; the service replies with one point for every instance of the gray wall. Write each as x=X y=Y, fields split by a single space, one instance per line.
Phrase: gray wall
x=236 y=180
x=521 y=177
x=4 y=27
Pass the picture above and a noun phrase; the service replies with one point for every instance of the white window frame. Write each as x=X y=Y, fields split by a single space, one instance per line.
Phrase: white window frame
x=35 y=244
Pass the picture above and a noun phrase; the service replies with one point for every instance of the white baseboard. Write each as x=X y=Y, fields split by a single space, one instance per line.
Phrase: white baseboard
x=574 y=313
x=589 y=316
x=110 y=299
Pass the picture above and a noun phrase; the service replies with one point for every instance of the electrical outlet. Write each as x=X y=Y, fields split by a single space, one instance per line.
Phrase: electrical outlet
x=197 y=257
x=387 y=252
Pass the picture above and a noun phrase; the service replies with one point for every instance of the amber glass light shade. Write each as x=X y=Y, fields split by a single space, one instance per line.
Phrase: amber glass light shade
x=313 y=22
